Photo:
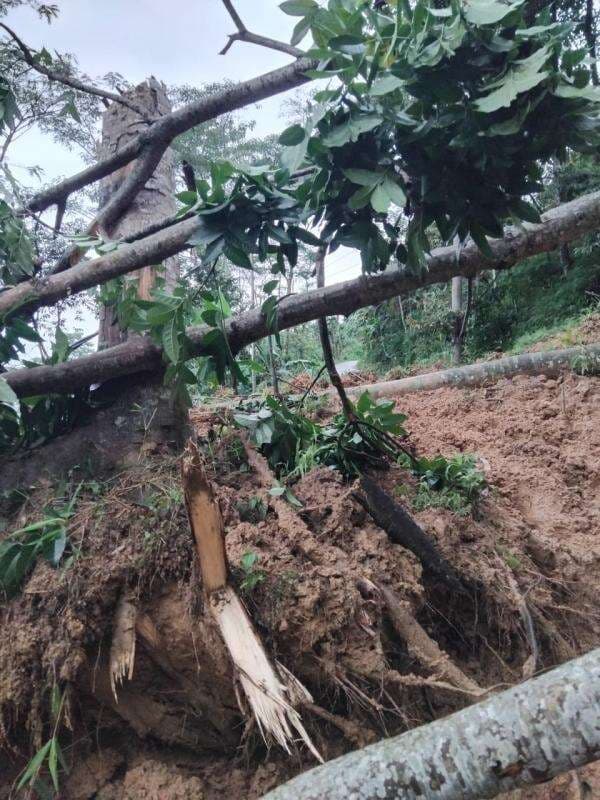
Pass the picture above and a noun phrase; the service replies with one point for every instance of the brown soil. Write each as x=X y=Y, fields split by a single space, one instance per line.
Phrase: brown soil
x=177 y=730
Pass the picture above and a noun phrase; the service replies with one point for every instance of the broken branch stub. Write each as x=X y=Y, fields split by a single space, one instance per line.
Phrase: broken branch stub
x=205 y=520
x=122 y=648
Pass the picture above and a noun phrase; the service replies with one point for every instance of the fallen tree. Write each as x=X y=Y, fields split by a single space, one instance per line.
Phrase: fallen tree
x=564 y=223
x=526 y=735
x=549 y=362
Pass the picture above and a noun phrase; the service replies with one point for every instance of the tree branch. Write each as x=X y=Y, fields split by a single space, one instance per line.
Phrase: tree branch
x=67 y=80
x=334 y=375
x=177 y=122
x=244 y=35
x=564 y=223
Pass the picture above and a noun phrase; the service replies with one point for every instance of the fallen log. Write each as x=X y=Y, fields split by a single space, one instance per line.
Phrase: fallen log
x=567 y=222
x=523 y=736
x=550 y=362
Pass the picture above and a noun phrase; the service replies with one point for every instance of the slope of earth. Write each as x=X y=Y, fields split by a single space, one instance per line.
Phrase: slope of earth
x=176 y=730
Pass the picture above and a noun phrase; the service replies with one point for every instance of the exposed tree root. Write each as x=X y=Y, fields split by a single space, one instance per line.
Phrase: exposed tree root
x=403 y=530
x=529 y=667
x=122 y=649
x=423 y=648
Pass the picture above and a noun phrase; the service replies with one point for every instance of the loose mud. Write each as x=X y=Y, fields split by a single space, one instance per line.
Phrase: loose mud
x=178 y=730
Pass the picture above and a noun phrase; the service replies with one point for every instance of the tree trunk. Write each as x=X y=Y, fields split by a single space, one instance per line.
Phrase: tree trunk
x=458 y=315
x=589 y=31
x=584 y=359
x=156 y=201
x=526 y=735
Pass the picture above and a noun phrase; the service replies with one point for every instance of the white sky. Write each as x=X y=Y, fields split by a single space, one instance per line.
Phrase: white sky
x=177 y=42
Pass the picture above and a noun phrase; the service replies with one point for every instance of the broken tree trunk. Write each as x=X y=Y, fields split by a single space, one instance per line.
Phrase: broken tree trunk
x=526 y=735
x=271 y=695
x=585 y=358
x=154 y=201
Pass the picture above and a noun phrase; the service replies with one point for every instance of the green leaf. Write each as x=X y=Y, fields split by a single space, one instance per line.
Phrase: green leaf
x=9 y=398
x=385 y=85
x=53 y=763
x=360 y=198
x=270 y=286
x=34 y=765
x=292 y=136
x=363 y=177
x=487 y=12
x=524 y=211
x=170 y=340
x=298 y=8
x=395 y=192
x=61 y=345
x=237 y=256
x=300 y=30
x=523 y=76
x=480 y=239
x=380 y=199
x=350 y=131
x=572 y=92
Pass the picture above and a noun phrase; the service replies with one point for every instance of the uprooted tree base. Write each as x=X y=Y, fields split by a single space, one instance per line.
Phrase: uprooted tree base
x=318 y=592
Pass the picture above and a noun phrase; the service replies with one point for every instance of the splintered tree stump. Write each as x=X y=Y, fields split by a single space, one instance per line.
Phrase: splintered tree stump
x=271 y=693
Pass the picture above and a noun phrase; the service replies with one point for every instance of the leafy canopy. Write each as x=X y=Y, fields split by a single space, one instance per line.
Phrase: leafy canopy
x=445 y=114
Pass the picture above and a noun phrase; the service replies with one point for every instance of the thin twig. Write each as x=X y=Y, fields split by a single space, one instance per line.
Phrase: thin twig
x=244 y=35
x=67 y=80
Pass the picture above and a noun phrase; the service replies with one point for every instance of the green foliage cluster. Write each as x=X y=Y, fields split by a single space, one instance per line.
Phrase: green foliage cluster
x=46 y=538
x=41 y=776
x=293 y=444
x=454 y=483
x=442 y=112
x=252 y=574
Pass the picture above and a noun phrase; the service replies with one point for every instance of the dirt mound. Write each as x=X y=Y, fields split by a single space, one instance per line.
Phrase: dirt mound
x=586 y=332
x=177 y=729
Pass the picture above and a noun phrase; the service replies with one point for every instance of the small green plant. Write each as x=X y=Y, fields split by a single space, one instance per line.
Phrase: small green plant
x=510 y=559
x=49 y=759
x=252 y=510
x=586 y=364
x=451 y=499
x=46 y=538
x=459 y=472
x=253 y=575
x=454 y=483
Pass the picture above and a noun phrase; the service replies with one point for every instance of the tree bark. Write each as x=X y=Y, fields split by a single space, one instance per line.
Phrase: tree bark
x=526 y=735
x=458 y=316
x=551 y=362
x=564 y=223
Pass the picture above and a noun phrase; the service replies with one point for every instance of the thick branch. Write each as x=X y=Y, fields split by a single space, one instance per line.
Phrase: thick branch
x=120 y=201
x=523 y=736
x=31 y=295
x=172 y=125
x=68 y=80
x=244 y=35
x=564 y=223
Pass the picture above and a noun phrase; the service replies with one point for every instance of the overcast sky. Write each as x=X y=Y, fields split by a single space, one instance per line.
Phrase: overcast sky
x=176 y=41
